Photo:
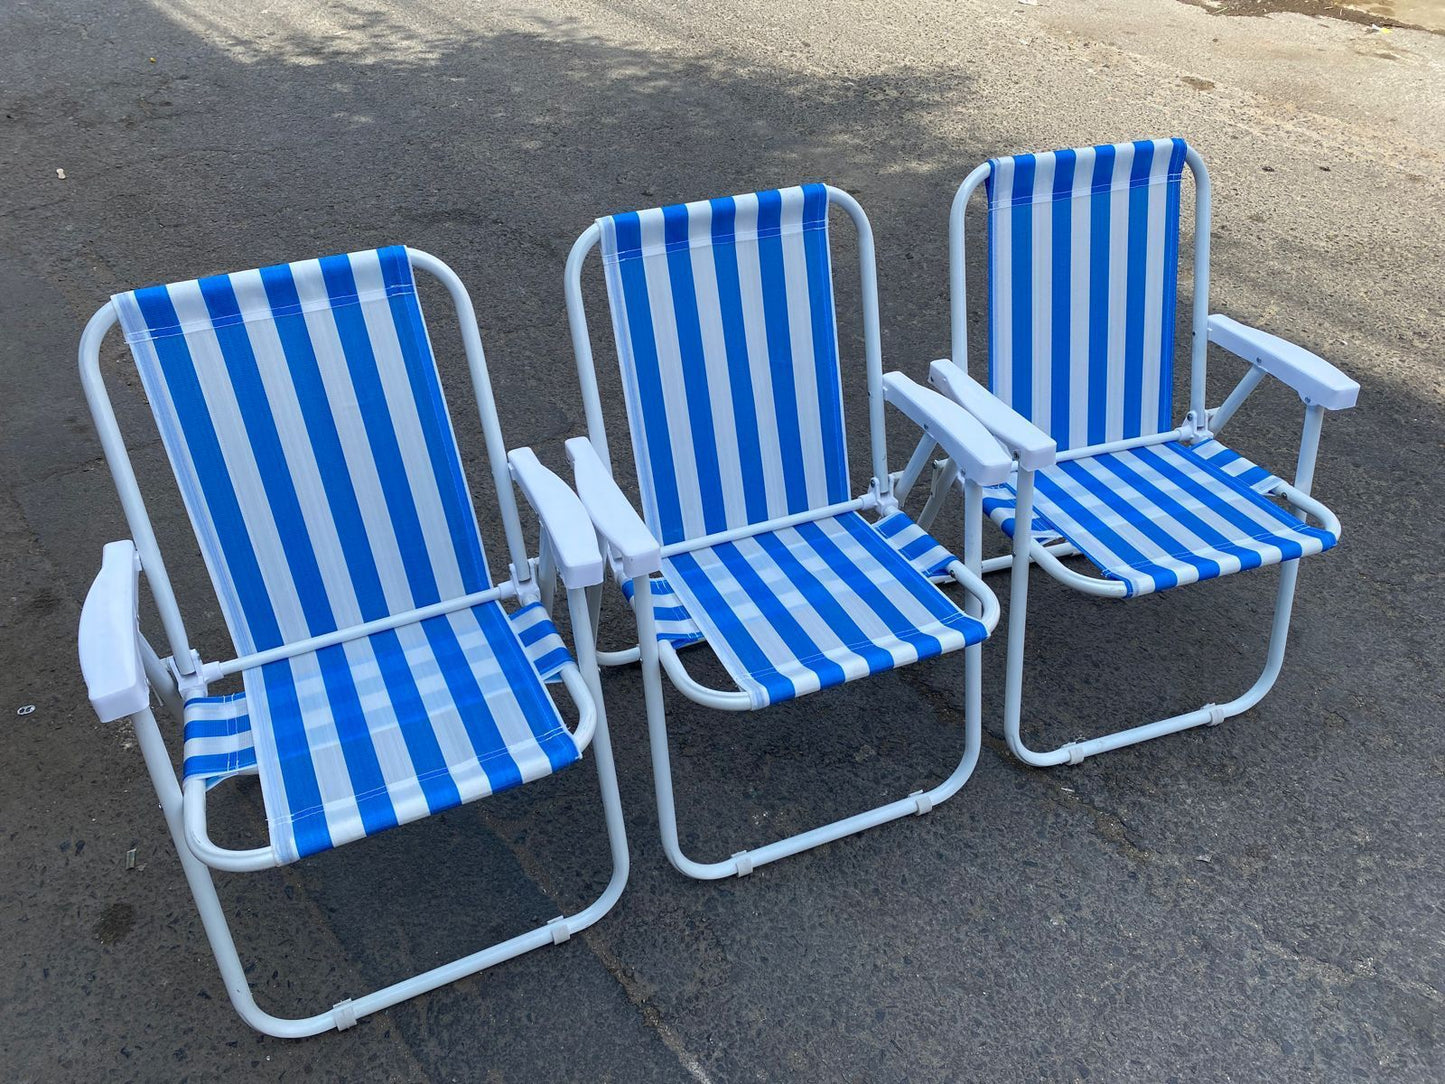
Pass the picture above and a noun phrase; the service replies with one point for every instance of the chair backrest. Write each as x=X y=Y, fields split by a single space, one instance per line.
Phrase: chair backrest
x=1083 y=267
x=723 y=312
x=303 y=416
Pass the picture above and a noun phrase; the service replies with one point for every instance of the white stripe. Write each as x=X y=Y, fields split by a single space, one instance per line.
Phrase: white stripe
x=1080 y=235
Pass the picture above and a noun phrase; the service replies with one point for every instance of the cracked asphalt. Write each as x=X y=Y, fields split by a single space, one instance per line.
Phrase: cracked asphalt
x=1256 y=902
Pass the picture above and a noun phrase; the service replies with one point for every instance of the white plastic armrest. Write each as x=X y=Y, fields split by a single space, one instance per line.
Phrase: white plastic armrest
x=110 y=636
x=612 y=514
x=1317 y=381
x=978 y=454
x=574 y=542
x=1034 y=447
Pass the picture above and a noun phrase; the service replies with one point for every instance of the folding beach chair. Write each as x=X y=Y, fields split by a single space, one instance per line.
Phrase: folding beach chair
x=1082 y=270
x=383 y=680
x=751 y=543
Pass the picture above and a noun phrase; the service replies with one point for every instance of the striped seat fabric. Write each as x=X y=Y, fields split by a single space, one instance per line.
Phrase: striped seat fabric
x=912 y=543
x=1083 y=261
x=1165 y=515
x=303 y=417
x=792 y=611
x=444 y=723
x=723 y=313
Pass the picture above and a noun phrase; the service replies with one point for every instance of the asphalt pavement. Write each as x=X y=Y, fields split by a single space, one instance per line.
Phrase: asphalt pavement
x=1256 y=902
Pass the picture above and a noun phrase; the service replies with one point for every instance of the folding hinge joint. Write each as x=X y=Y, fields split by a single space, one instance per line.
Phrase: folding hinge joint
x=1195 y=430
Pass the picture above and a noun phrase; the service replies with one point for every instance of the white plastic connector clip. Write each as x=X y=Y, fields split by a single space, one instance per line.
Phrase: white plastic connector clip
x=343 y=1014
x=1216 y=714
x=922 y=802
x=1196 y=431
x=1076 y=752
x=560 y=930
x=744 y=862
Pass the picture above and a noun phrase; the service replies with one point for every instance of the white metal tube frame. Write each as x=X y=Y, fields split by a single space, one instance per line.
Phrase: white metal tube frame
x=1199 y=424
x=184 y=675
x=657 y=658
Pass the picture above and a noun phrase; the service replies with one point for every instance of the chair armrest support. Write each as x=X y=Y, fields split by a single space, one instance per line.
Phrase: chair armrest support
x=612 y=514
x=1033 y=447
x=968 y=443
x=1317 y=381
x=110 y=656
x=574 y=542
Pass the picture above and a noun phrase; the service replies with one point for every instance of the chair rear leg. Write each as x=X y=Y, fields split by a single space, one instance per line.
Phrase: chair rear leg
x=744 y=862
x=1208 y=715
x=347 y=1012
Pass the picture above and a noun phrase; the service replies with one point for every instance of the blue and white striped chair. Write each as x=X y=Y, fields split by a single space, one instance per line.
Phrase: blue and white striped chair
x=382 y=678
x=1082 y=269
x=751 y=540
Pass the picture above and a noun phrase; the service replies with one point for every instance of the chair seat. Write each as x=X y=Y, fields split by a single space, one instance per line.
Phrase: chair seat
x=389 y=728
x=793 y=611
x=1165 y=515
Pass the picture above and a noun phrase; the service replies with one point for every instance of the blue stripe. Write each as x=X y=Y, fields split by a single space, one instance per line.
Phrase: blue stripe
x=471 y=704
x=931 y=598
x=780 y=349
x=820 y=597
x=1022 y=287
x=381 y=436
x=694 y=368
x=732 y=630
x=648 y=376
x=431 y=411
x=735 y=341
x=851 y=576
x=1248 y=558
x=800 y=644
x=309 y=830
x=825 y=339
x=548 y=665
x=1099 y=294
x=216 y=728
x=1162 y=577
x=1061 y=295
x=1138 y=518
x=336 y=480
x=1289 y=548
x=1135 y=288
x=524 y=686
x=994 y=287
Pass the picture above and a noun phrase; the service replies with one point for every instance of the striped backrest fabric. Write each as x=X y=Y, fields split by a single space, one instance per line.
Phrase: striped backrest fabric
x=723 y=312
x=303 y=416
x=1083 y=263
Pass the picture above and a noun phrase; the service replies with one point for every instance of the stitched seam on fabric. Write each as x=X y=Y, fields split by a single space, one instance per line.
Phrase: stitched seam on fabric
x=1235 y=485
x=271 y=316
x=434 y=773
x=995 y=203
x=688 y=243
